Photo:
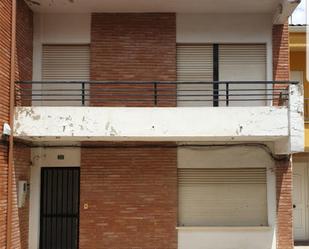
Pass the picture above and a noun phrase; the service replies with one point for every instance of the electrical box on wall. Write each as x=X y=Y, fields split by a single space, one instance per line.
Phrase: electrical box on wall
x=6 y=129
x=22 y=193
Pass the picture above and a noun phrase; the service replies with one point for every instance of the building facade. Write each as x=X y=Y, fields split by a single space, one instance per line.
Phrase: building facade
x=147 y=125
x=300 y=160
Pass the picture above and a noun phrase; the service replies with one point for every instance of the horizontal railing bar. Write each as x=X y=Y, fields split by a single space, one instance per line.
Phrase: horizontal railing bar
x=159 y=82
x=159 y=100
x=152 y=92
x=147 y=89
x=152 y=95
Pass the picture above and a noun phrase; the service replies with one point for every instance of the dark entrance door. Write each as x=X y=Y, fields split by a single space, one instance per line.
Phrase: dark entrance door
x=59 y=215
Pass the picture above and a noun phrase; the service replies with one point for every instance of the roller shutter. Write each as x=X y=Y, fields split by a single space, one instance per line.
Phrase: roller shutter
x=194 y=63
x=222 y=197
x=64 y=63
x=243 y=62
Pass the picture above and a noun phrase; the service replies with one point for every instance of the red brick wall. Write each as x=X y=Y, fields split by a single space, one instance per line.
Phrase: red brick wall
x=281 y=52
x=283 y=169
x=132 y=197
x=284 y=205
x=22 y=173
x=281 y=69
x=24 y=45
x=133 y=47
x=5 y=45
x=23 y=71
x=23 y=67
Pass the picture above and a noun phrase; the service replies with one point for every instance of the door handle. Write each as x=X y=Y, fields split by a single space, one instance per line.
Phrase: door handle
x=294 y=206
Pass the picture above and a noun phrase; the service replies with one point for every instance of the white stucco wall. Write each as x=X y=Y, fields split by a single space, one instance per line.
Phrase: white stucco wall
x=230 y=237
x=227 y=238
x=59 y=28
x=152 y=124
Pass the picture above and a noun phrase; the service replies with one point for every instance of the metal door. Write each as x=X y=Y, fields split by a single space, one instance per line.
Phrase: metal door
x=59 y=214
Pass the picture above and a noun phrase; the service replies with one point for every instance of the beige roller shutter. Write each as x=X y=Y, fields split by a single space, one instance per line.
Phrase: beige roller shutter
x=64 y=63
x=194 y=63
x=241 y=62
x=222 y=197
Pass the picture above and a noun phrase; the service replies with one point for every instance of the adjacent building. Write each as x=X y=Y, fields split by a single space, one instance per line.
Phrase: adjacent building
x=300 y=160
x=148 y=125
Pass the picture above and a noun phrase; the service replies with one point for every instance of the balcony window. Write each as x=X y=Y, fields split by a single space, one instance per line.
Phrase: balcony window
x=222 y=62
x=64 y=63
x=207 y=75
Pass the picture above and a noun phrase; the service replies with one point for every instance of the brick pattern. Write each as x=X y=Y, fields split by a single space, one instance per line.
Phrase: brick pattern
x=5 y=45
x=283 y=169
x=23 y=71
x=281 y=52
x=131 y=193
x=281 y=68
x=284 y=205
x=24 y=47
x=133 y=47
x=22 y=173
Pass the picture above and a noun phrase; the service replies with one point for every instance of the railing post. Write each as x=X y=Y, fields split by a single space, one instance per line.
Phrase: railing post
x=216 y=75
x=155 y=93
x=83 y=94
x=227 y=93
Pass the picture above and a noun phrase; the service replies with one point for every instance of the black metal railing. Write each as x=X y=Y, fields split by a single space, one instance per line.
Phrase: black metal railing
x=113 y=93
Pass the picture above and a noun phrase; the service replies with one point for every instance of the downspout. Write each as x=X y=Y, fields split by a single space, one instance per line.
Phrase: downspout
x=11 y=122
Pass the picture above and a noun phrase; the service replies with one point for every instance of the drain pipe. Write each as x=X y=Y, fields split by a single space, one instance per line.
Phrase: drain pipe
x=11 y=121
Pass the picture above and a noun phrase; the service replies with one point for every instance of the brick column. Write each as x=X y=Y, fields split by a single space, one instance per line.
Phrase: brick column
x=281 y=59
x=281 y=52
x=283 y=169
x=284 y=205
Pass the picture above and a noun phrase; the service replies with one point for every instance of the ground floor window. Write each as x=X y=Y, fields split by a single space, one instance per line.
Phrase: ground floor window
x=222 y=197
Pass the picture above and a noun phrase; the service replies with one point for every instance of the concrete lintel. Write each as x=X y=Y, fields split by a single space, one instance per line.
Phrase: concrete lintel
x=151 y=124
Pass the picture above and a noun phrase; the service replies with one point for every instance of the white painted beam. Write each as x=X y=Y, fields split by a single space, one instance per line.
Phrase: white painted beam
x=152 y=124
x=284 y=10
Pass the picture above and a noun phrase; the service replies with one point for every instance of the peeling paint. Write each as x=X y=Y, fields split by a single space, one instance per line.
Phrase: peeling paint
x=155 y=124
x=36 y=117
x=113 y=132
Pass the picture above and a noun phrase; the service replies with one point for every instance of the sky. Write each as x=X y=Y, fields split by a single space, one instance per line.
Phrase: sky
x=299 y=15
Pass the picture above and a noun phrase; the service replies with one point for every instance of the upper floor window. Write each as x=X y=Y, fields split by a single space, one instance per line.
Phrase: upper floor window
x=66 y=63
x=221 y=62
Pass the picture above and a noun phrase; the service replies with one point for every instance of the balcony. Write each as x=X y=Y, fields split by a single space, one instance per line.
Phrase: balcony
x=161 y=111
x=153 y=94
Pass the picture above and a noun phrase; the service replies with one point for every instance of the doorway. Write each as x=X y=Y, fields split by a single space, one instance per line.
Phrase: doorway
x=59 y=210
x=300 y=201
